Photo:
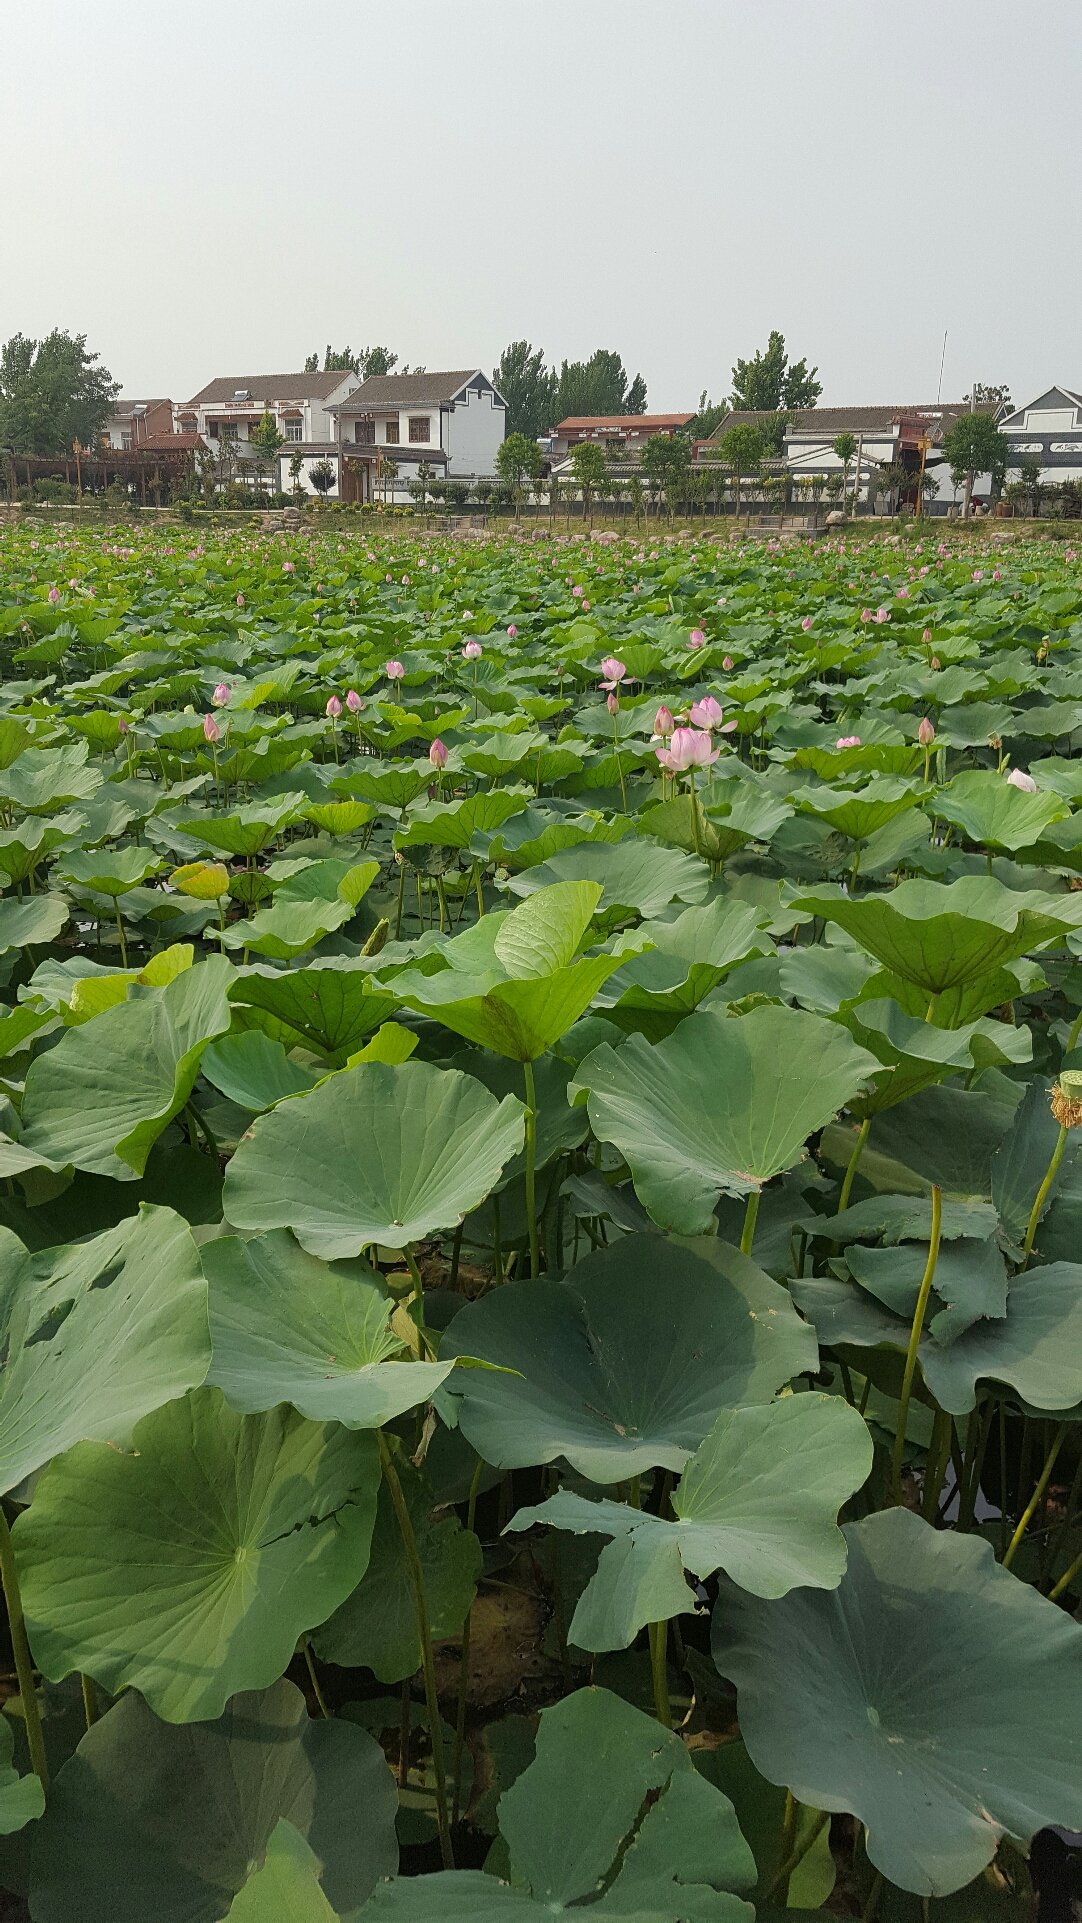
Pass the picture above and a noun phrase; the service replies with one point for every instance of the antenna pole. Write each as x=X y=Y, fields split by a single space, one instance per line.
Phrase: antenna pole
x=942 y=360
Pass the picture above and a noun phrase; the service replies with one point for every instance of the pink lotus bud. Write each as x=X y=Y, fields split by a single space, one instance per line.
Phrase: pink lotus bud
x=926 y=733
x=437 y=754
x=696 y=639
x=240 y=600
x=220 y=695
x=706 y=713
x=935 y=664
x=727 y=663
x=903 y=594
x=472 y=651
x=577 y=592
x=512 y=630
x=881 y=615
x=353 y=701
x=926 y=637
x=978 y=574
x=997 y=574
x=688 y=749
x=394 y=670
x=611 y=703
x=54 y=595
x=289 y=567
x=211 y=730
x=848 y=741
x=865 y=614
x=334 y=708
x=1016 y=779
x=663 y=722
x=613 y=671
x=123 y=726
x=586 y=607
x=806 y=623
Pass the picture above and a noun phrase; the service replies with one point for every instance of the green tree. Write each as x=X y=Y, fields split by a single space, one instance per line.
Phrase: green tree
x=771 y=383
x=597 y=386
x=528 y=387
x=339 y=357
x=995 y=394
x=742 y=449
x=52 y=392
x=665 y=461
x=710 y=415
x=590 y=469
x=311 y=363
x=635 y=398
x=972 y=444
x=1029 y=475
x=323 y=477
x=265 y=440
x=378 y=360
x=845 y=447
x=296 y=462
x=518 y=459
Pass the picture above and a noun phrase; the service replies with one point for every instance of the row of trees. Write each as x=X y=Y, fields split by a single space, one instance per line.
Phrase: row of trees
x=365 y=362
x=538 y=396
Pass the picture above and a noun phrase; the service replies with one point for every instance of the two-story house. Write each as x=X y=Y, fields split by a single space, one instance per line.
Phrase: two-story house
x=1047 y=430
x=622 y=436
x=133 y=423
x=452 y=423
x=228 y=408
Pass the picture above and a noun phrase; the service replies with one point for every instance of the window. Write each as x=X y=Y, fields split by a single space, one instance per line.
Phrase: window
x=392 y=434
x=229 y=430
x=125 y=438
x=419 y=427
x=294 y=430
x=365 y=433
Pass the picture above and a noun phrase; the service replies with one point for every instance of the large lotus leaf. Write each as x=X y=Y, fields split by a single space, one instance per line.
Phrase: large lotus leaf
x=21 y=1797
x=389 y=785
x=721 y=1105
x=328 y=1006
x=109 y=871
x=644 y=1837
x=993 y=813
x=287 y=1888
x=375 y=1154
x=30 y=918
x=1035 y=1348
x=938 y=935
x=894 y=1036
x=149 y=1819
x=96 y=1334
x=25 y=847
x=544 y=933
x=287 y=928
x=42 y=779
x=687 y=958
x=248 y=830
x=453 y=824
x=228 y=1536
x=970 y=1282
x=857 y=813
x=287 y=1327
x=1020 y=1163
x=538 y=832
x=637 y=876
x=103 y=1095
x=932 y=1694
x=254 y=1071
x=624 y=1365
x=376 y=1626
x=951 y=1135
x=325 y=880
x=759 y=1499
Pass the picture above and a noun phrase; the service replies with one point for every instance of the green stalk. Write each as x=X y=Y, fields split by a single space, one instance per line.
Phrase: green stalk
x=479 y=889
x=695 y=828
x=1042 y=1193
x=90 y=1700
x=120 y=932
x=914 y=1342
x=796 y=1856
x=659 y=1636
x=1037 y=1497
x=1066 y=1579
x=313 y=1678
x=751 y=1216
x=935 y=1467
x=420 y=1604
x=531 y=1166
x=854 y=1163
x=24 y=1666
x=464 y=1667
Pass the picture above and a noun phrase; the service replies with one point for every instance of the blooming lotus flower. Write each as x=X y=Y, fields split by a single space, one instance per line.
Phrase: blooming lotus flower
x=881 y=615
x=220 y=695
x=865 y=614
x=848 y=741
x=437 y=754
x=663 y=722
x=577 y=592
x=353 y=701
x=54 y=595
x=1017 y=779
x=978 y=574
x=613 y=671
x=289 y=567
x=512 y=630
x=688 y=748
x=727 y=663
x=394 y=670
x=211 y=730
x=806 y=623
x=472 y=651
x=334 y=708
x=926 y=733
x=903 y=594
x=696 y=639
x=706 y=713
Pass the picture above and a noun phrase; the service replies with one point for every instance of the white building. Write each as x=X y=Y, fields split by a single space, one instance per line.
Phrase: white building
x=1047 y=430
x=886 y=436
x=389 y=426
x=228 y=408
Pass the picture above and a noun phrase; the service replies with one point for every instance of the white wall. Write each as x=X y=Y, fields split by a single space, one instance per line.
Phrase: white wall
x=309 y=461
x=475 y=430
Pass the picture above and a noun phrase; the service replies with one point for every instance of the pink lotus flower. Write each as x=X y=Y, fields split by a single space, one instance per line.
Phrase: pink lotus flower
x=696 y=639
x=1017 y=779
x=577 y=592
x=613 y=671
x=437 y=754
x=472 y=651
x=220 y=695
x=611 y=703
x=123 y=726
x=926 y=636
x=926 y=733
x=394 y=670
x=663 y=722
x=978 y=574
x=688 y=749
x=512 y=630
x=903 y=594
x=935 y=664
x=353 y=701
x=997 y=574
x=211 y=730
x=881 y=615
x=848 y=741
x=727 y=663
x=865 y=614
x=54 y=595
x=289 y=567
x=240 y=600
x=586 y=607
x=334 y=708
x=706 y=713
x=806 y=623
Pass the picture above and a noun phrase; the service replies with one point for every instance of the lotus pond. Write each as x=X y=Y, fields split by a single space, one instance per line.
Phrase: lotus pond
x=541 y=1226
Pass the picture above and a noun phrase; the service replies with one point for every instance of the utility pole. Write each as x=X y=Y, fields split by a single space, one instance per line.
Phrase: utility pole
x=856 y=483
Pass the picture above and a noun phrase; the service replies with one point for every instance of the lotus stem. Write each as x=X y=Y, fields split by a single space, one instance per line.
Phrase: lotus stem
x=854 y=1164
x=935 y=1466
x=464 y=1667
x=531 y=1166
x=310 y=1664
x=120 y=932
x=420 y=1604
x=871 y=1907
x=659 y=1637
x=1065 y=1118
x=90 y=1700
x=914 y=1342
x=24 y=1666
x=479 y=889
x=1037 y=1497
x=751 y=1216
x=796 y=1856
x=695 y=825
x=1066 y=1579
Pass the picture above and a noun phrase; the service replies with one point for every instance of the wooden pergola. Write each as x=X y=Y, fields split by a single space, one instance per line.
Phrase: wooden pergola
x=93 y=470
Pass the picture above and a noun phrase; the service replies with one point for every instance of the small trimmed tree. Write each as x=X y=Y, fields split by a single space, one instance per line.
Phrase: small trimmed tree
x=972 y=444
x=845 y=446
x=518 y=459
x=323 y=477
x=741 y=449
x=590 y=469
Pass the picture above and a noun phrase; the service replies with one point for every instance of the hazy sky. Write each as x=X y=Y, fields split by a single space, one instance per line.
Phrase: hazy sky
x=221 y=186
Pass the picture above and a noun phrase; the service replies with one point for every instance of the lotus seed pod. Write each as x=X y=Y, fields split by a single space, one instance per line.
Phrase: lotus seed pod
x=1067 y=1098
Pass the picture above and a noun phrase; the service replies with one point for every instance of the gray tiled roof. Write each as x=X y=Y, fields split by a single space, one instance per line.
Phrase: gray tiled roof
x=408 y=390
x=271 y=387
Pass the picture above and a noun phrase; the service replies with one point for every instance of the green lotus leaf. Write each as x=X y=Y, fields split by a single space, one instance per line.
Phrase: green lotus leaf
x=22 y=1798
x=248 y=830
x=109 y=871
x=759 y=1499
x=30 y=918
x=721 y=1105
x=152 y=1819
x=254 y=1071
x=645 y=1838
x=328 y=1006
x=932 y=1694
x=857 y=813
x=994 y=814
x=453 y=824
x=637 y=877
x=939 y=935
x=287 y=1888
x=339 y=818
x=229 y=1535
x=101 y=1097
x=375 y=1154
x=41 y=779
x=624 y=1365
x=387 y=784
x=286 y=1327
x=25 y=847
x=376 y=1627
x=970 y=1282
x=688 y=957
x=538 y=832
x=95 y=1335
x=287 y=928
